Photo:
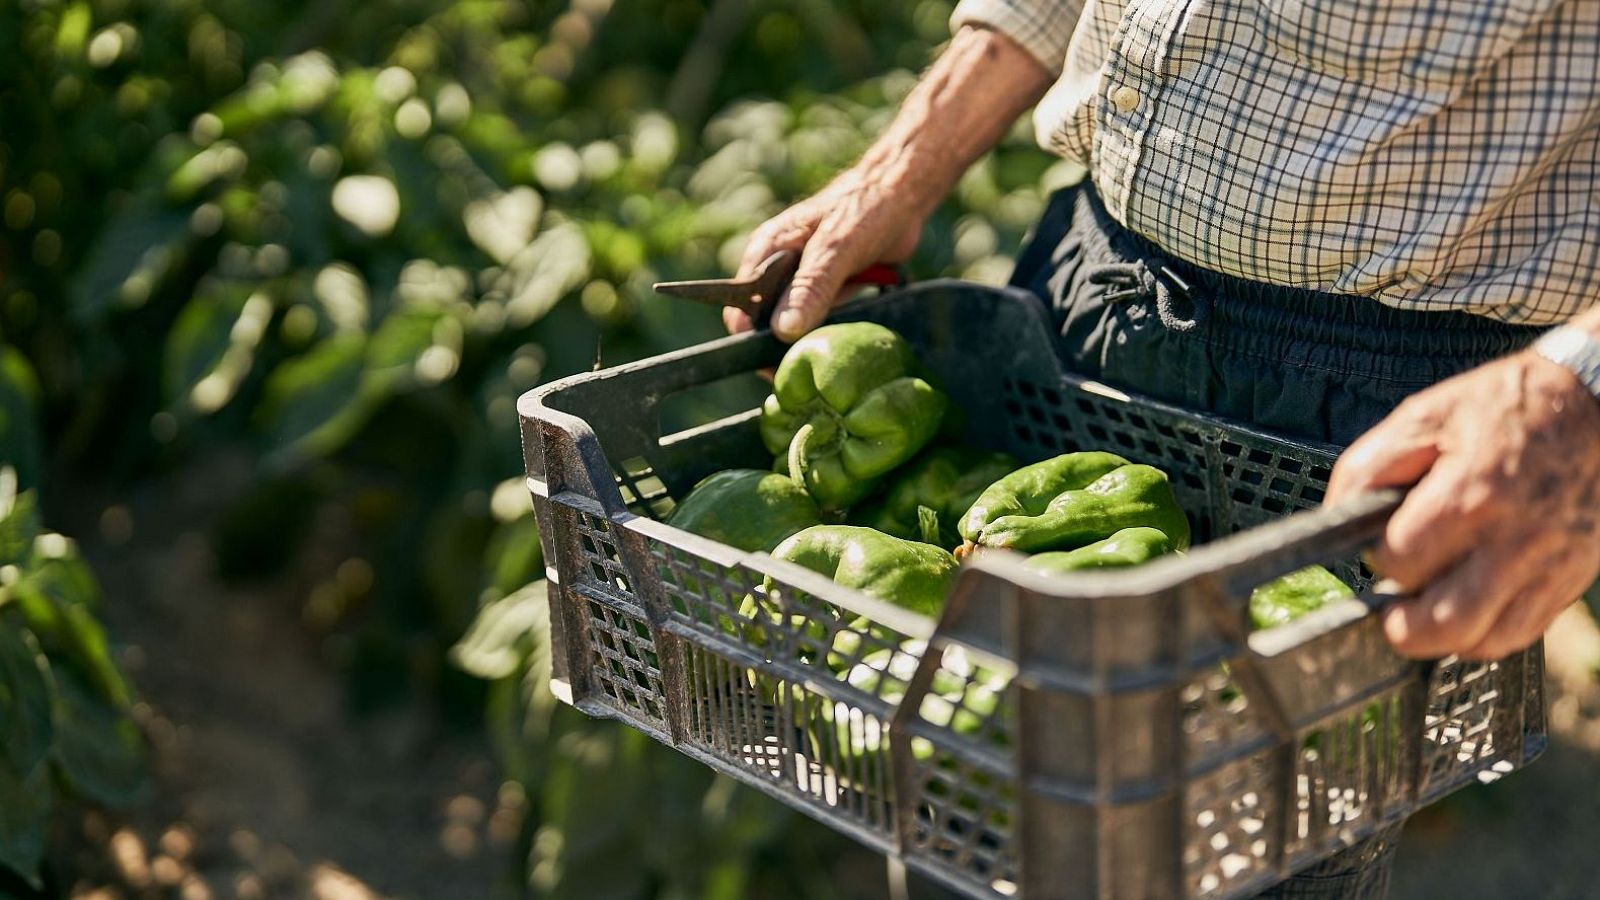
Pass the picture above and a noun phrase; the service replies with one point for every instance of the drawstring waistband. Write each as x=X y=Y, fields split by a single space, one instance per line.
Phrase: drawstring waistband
x=1137 y=281
x=1319 y=366
x=1273 y=320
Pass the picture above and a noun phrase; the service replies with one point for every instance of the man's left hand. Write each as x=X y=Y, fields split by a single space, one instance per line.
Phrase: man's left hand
x=1502 y=528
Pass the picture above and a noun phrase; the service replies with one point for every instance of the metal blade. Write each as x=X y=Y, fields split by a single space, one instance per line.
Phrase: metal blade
x=766 y=282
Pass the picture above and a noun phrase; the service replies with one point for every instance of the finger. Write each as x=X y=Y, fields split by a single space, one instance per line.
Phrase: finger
x=1437 y=523
x=789 y=230
x=1395 y=453
x=1458 y=610
x=1535 y=605
x=824 y=267
x=736 y=321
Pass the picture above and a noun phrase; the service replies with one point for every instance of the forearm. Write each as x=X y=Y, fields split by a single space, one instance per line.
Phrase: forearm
x=961 y=108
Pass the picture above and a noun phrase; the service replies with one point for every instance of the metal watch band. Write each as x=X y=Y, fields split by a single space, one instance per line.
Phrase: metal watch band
x=1574 y=350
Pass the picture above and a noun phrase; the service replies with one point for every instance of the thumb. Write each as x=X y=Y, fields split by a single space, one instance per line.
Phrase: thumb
x=823 y=268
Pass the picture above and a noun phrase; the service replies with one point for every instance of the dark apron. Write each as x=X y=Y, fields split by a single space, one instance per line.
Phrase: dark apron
x=1323 y=367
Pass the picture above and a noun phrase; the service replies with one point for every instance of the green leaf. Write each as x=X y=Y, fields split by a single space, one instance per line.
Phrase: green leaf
x=72 y=34
x=133 y=257
x=212 y=341
x=19 y=429
x=25 y=804
x=97 y=745
x=507 y=633
x=19 y=520
x=401 y=339
x=56 y=596
x=315 y=403
x=24 y=699
x=514 y=556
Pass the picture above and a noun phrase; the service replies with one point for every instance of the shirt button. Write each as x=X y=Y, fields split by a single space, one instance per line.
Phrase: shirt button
x=1125 y=98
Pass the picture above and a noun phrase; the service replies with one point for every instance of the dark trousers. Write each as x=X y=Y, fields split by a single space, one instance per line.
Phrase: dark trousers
x=1319 y=366
x=1322 y=367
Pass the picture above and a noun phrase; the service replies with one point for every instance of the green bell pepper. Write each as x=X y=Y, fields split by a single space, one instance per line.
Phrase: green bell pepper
x=910 y=574
x=1128 y=547
x=1303 y=591
x=1073 y=500
x=746 y=508
x=928 y=501
x=962 y=697
x=847 y=407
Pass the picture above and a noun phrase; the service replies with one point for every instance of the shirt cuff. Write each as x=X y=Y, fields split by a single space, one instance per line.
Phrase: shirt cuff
x=1043 y=27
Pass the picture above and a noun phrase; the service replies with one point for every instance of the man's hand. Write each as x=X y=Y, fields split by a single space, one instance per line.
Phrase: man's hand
x=1502 y=529
x=874 y=211
x=863 y=217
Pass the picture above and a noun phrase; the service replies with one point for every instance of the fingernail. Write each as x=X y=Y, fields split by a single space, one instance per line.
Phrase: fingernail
x=788 y=323
x=1387 y=587
x=1395 y=626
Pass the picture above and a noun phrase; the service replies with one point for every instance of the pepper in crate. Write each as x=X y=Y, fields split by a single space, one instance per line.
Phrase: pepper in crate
x=746 y=508
x=1073 y=500
x=1128 y=547
x=927 y=502
x=847 y=407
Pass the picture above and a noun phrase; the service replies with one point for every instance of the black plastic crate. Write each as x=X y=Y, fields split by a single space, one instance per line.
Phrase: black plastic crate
x=1115 y=734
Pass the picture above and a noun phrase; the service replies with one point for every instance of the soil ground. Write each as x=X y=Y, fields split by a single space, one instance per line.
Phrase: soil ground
x=267 y=785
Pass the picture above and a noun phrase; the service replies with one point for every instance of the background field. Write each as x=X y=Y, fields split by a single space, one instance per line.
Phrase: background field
x=273 y=276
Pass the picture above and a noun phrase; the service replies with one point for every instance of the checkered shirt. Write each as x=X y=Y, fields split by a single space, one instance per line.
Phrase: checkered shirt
x=1430 y=154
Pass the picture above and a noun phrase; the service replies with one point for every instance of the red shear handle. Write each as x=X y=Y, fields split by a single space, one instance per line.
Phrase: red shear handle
x=882 y=275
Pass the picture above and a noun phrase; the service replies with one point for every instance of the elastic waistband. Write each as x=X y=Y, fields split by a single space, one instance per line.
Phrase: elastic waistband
x=1283 y=322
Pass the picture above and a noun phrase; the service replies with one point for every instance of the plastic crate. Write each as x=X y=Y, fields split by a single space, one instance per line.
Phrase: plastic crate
x=1143 y=746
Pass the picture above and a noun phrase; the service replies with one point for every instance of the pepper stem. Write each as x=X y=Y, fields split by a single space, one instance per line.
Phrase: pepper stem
x=928 y=524
x=799 y=466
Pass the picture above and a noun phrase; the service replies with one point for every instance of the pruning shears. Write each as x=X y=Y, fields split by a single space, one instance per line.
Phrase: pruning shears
x=757 y=294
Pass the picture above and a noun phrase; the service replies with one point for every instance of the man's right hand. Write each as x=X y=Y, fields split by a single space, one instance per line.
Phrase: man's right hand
x=874 y=211
x=861 y=218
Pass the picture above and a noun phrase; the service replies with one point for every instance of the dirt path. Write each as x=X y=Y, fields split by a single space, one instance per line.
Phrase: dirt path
x=265 y=786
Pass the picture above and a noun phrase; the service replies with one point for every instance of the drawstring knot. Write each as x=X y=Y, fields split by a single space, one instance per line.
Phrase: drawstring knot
x=1137 y=280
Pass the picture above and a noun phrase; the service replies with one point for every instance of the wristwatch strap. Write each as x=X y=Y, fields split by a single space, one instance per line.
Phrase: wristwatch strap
x=1574 y=350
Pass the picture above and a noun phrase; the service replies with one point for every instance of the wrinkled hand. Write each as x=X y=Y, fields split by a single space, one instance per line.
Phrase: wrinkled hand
x=861 y=218
x=1502 y=529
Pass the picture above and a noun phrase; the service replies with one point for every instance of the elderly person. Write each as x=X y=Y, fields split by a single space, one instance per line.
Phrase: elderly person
x=1352 y=220
x=1322 y=218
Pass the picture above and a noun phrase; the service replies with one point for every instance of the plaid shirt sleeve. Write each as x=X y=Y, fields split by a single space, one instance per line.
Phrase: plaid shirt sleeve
x=1043 y=27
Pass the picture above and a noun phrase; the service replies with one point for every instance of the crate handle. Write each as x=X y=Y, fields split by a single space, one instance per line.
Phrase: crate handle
x=1307 y=539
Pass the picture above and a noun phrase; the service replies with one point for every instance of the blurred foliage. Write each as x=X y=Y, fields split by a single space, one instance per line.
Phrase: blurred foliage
x=348 y=236
x=65 y=708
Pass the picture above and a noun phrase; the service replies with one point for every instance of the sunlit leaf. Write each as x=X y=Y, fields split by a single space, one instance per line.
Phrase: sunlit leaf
x=72 y=34
x=514 y=556
x=19 y=520
x=400 y=342
x=314 y=402
x=19 y=429
x=132 y=258
x=56 y=596
x=507 y=633
x=211 y=345
x=545 y=271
